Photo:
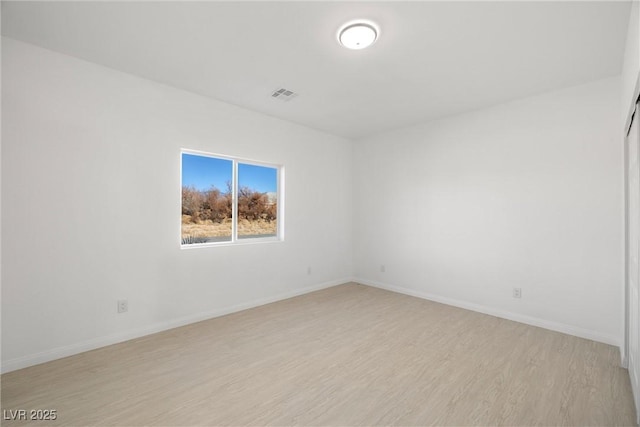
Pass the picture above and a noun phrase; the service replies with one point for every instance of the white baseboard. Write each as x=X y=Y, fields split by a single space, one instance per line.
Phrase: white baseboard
x=81 y=347
x=70 y=350
x=521 y=318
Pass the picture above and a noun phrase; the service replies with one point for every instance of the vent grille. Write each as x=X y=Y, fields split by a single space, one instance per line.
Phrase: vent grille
x=284 y=94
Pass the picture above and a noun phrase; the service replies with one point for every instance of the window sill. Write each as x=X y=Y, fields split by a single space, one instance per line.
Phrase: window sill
x=240 y=242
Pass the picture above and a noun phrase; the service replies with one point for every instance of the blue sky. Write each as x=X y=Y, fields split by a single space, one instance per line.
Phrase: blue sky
x=202 y=172
x=259 y=178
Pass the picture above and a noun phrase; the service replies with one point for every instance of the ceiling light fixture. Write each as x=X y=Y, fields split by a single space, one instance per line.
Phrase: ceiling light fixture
x=358 y=34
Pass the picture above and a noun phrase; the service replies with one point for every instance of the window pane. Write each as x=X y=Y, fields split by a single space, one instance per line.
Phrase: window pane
x=257 y=201
x=206 y=199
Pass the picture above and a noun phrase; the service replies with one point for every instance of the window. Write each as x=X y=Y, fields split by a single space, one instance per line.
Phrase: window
x=229 y=200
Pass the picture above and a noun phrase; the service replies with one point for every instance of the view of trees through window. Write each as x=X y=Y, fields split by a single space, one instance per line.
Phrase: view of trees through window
x=208 y=200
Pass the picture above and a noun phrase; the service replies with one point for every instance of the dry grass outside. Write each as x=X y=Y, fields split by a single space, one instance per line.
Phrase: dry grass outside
x=257 y=227
x=209 y=228
x=206 y=229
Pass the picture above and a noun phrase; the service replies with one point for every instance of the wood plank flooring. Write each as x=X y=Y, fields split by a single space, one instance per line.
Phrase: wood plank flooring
x=350 y=355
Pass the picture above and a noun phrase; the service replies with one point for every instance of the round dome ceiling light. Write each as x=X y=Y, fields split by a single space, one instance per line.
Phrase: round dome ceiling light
x=358 y=34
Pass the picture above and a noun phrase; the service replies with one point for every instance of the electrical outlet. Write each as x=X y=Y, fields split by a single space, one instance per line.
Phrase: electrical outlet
x=517 y=292
x=308 y=270
x=382 y=269
x=123 y=306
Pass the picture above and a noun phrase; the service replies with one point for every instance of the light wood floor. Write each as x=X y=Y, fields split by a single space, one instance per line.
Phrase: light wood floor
x=348 y=355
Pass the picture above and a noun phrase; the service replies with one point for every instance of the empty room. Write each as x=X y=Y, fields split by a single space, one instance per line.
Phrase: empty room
x=320 y=213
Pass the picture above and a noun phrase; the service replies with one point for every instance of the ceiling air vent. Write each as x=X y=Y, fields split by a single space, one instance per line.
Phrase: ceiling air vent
x=284 y=94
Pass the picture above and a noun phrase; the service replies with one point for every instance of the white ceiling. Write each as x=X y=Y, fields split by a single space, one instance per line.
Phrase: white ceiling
x=432 y=58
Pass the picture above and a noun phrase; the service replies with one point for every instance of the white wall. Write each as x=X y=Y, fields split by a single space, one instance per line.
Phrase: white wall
x=631 y=63
x=91 y=207
x=526 y=194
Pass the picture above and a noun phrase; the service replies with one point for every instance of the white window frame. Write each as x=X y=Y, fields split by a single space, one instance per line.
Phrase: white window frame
x=279 y=237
